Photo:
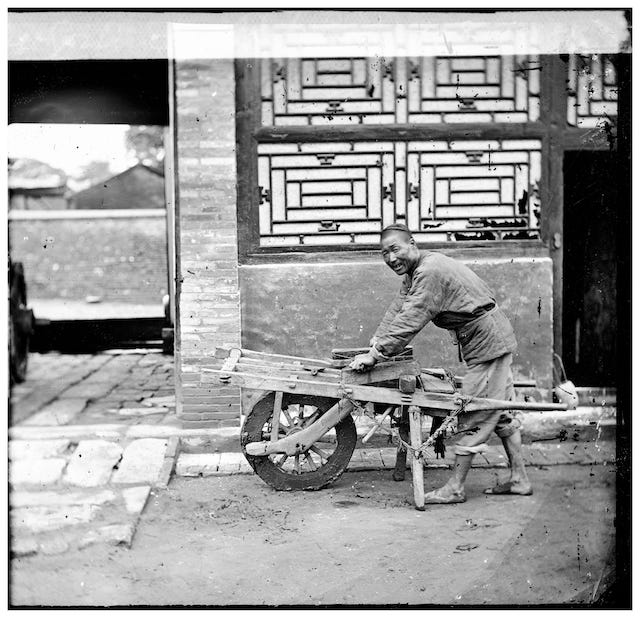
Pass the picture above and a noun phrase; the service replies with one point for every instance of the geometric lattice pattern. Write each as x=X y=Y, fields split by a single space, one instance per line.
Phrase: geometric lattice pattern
x=346 y=192
x=592 y=90
x=315 y=91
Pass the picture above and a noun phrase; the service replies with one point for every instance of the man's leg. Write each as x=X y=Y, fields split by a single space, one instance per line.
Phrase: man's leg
x=455 y=485
x=475 y=428
x=508 y=429
x=518 y=482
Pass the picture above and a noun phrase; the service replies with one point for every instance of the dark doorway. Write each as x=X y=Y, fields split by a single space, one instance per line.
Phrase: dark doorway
x=592 y=213
x=89 y=91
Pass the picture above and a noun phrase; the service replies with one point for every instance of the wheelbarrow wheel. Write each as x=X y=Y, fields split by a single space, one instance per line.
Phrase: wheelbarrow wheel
x=322 y=464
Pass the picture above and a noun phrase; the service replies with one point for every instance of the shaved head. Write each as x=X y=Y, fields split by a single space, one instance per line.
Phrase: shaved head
x=398 y=228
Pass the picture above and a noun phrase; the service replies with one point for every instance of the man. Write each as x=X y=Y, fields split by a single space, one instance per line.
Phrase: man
x=441 y=290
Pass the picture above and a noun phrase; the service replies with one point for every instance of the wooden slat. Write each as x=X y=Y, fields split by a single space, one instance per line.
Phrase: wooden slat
x=437 y=403
x=290 y=367
x=229 y=365
x=390 y=132
x=284 y=357
x=381 y=372
x=378 y=425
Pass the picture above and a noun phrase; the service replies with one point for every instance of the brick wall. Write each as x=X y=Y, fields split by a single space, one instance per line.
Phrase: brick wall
x=119 y=259
x=206 y=240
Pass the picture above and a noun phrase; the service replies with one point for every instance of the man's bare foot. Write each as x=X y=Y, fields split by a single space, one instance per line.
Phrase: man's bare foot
x=516 y=488
x=445 y=495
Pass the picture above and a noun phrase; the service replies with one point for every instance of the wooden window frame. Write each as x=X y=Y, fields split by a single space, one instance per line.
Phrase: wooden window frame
x=551 y=129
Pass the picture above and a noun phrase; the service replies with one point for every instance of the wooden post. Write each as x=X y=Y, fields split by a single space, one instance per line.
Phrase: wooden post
x=417 y=472
x=275 y=421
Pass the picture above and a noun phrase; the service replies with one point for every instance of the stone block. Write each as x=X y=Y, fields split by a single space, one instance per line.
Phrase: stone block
x=36 y=471
x=93 y=390
x=197 y=464
x=165 y=473
x=141 y=461
x=37 y=449
x=113 y=534
x=135 y=498
x=172 y=447
x=168 y=401
x=231 y=463
x=150 y=431
x=44 y=518
x=61 y=412
x=19 y=499
x=148 y=411
x=92 y=463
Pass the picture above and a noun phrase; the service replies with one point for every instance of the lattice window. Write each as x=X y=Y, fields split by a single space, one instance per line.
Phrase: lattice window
x=345 y=192
x=316 y=91
x=592 y=90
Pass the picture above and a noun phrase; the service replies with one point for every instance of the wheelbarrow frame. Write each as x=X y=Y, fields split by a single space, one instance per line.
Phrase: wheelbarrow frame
x=331 y=379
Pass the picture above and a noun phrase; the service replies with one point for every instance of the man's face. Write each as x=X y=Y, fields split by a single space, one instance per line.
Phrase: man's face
x=399 y=252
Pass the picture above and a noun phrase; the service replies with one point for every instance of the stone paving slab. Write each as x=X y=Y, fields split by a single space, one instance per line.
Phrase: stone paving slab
x=52 y=522
x=59 y=412
x=94 y=390
x=23 y=498
x=92 y=463
x=40 y=472
x=44 y=518
x=146 y=411
x=37 y=449
x=141 y=461
x=62 y=389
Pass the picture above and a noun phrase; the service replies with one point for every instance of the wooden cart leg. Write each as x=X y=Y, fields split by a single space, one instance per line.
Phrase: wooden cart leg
x=401 y=454
x=417 y=471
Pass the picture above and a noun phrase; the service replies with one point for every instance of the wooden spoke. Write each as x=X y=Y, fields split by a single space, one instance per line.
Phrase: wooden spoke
x=285 y=411
x=312 y=464
x=280 y=461
x=320 y=452
x=324 y=444
x=297 y=464
x=312 y=419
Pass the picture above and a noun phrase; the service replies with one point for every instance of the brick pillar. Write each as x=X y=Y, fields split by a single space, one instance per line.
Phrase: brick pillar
x=208 y=296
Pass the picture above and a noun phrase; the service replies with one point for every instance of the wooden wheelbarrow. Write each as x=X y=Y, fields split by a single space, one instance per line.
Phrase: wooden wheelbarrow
x=300 y=435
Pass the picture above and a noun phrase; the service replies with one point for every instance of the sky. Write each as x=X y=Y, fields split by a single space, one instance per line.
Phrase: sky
x=71 y=146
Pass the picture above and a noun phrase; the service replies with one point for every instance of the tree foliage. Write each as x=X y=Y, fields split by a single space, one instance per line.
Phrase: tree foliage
x=146 y=143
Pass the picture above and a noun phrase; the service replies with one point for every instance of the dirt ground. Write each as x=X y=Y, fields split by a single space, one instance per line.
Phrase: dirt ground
x=234 y=541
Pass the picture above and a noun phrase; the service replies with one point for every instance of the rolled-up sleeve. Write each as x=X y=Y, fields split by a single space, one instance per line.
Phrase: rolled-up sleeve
x=420 y=305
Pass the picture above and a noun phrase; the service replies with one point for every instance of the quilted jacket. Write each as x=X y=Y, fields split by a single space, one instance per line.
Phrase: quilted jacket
x=444 y=291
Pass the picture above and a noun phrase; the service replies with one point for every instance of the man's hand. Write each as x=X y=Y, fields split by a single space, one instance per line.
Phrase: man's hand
x=363 y=362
